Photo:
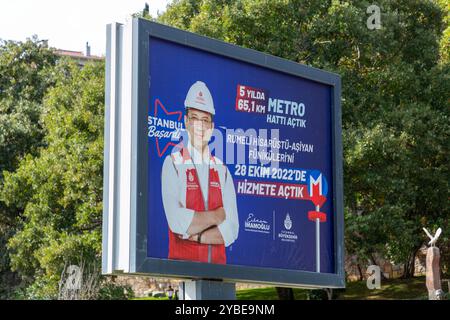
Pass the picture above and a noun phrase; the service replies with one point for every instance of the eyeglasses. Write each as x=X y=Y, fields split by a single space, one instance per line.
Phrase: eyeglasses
x=205 y=122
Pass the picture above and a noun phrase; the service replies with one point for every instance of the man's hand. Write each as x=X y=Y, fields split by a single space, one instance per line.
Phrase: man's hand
x=219 y=215
x=206 y=219
x=194 y=238
x=211 y=236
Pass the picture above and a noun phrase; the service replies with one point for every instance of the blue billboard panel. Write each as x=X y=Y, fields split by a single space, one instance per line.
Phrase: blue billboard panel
x=240 y=163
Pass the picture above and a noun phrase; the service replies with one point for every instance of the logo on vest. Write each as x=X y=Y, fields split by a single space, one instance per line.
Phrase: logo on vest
x=287 y=235
x=252 y=224
x=191 y=184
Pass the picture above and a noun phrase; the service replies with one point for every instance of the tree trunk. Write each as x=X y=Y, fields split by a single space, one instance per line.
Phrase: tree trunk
x=361 y=276
x=409 y=267
x=374 y=262
x=329 y=292
x=285 y=293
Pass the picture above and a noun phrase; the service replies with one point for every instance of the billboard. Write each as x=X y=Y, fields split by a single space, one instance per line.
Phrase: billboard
x=223 y=162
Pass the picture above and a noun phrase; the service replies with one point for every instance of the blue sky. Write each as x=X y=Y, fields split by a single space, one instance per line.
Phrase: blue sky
x=68 y=24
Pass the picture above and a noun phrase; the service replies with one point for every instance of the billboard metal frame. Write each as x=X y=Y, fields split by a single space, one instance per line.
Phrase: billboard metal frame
x=125 y=200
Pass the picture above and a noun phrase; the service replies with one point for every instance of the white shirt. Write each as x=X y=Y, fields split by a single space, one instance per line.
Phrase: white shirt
x=173 y=184
x=202 y=165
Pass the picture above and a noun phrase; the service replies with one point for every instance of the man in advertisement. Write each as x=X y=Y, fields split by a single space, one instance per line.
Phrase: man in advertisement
x=198 y=192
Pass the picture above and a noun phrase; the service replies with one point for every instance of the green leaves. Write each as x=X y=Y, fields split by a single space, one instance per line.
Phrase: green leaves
x=396 y=94
x=25 y=76
x=24 y=79
x=24 y=69
x=60 y=189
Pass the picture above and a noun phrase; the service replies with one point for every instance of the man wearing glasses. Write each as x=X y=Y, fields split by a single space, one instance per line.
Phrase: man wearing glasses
x=197 y=189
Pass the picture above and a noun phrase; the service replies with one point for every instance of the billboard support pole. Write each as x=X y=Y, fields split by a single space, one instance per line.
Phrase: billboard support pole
x=317 y=242
x=207 y=290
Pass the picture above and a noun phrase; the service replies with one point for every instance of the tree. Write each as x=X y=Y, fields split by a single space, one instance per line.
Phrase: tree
x=25 y=76
x=445 y=39
x=395 y=102
x=60 y=189
x=395 y=121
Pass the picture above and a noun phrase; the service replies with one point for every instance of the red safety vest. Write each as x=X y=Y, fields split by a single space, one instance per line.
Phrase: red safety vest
x=180 y=249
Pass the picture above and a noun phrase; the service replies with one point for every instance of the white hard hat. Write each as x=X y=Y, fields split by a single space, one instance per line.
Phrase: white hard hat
x=199 y=97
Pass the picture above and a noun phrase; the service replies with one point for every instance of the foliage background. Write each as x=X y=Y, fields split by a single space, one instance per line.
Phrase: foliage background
x=396 y=94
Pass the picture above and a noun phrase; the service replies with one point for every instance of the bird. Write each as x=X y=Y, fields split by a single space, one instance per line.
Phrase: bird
x=433 y=239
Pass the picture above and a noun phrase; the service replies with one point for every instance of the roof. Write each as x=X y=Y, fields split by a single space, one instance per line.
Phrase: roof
x=76 y=55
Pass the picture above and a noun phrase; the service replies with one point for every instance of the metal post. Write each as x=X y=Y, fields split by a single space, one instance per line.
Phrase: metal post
x=317 y=242
x=208 y=290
